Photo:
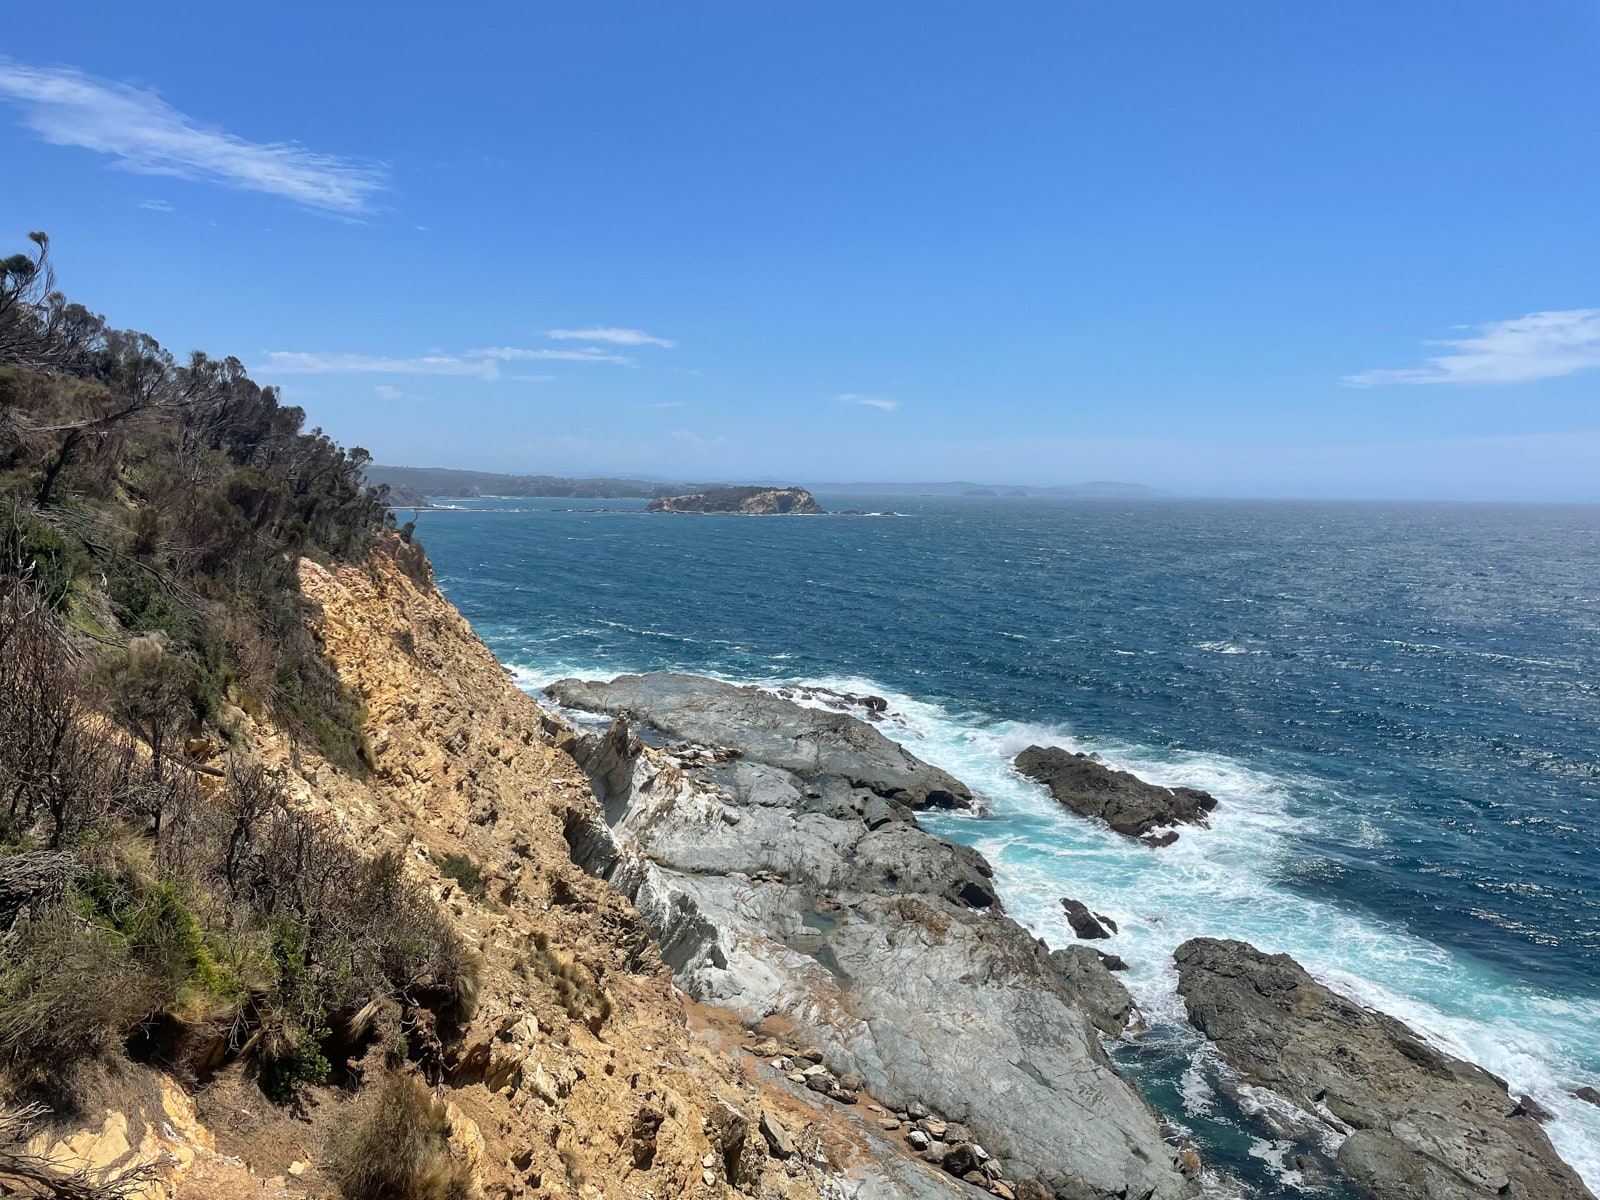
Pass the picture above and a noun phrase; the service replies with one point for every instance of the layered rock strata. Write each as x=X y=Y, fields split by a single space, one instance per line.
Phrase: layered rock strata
x=1415 y=1123
x=776 y=852
x=1084 y=784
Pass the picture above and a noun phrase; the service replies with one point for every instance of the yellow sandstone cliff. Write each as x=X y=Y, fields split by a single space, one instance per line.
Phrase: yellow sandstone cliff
x=579 y=1074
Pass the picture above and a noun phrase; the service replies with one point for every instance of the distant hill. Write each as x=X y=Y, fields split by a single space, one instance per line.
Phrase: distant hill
x=447 y=482
x=409 y=485
x=1105 y=489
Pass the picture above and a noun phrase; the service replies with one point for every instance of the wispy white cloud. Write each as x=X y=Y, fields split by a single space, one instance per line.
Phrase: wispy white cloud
x=617 y=337
x=1541 y=345
x=696 y=443
x=483 y=364
x=143 y=133
x=156 y=205
x=587 y=354
x=385 y=391
x=869 y=401
x=294 y=362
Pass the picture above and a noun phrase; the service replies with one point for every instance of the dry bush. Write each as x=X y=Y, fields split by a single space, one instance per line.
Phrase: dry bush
x=56 y=770
x=581 y=995
x=351 y=929
x=69 y=994
x=396 y=1147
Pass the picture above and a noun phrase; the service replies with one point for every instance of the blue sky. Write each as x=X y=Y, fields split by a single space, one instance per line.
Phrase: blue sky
x=1269 y=248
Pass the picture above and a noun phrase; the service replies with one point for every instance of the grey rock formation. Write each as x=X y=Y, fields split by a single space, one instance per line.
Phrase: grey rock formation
x=806 y=742
x=1419 y=1124
x=827 y=911
x=1123 y=801
x=1085 y=973
x=1085 y=924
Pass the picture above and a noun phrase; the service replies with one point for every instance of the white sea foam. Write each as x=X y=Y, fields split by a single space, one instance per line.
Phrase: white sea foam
x=1223 y=882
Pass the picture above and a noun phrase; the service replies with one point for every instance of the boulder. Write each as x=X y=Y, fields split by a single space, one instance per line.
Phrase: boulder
x=777 y=1137
x=1422 y=1125
x=1083 y=922
x=1123 y=801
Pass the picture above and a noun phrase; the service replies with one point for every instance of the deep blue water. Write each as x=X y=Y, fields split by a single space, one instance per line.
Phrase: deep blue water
x=1396 y=705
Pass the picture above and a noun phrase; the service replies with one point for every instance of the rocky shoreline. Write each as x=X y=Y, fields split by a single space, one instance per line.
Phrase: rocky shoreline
x=1410 y=1121
x=775 y=851
x=774 y=848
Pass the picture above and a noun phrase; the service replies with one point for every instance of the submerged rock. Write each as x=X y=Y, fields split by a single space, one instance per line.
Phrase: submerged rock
x=1420 y=1124
x=827 y=914
x=1123 y=801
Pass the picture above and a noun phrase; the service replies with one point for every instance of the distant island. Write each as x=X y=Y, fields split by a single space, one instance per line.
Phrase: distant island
x=746 y=501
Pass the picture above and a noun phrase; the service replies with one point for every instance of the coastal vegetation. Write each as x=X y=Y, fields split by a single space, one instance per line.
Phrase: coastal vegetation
x=156 y=906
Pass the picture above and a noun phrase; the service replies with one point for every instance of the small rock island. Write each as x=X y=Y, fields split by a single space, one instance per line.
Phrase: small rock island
x=745 y=501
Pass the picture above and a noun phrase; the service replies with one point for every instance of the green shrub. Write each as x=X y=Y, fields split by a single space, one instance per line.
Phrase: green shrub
x=164 y=937
x=305 y=1063
x=46 y=559
x=464 y=871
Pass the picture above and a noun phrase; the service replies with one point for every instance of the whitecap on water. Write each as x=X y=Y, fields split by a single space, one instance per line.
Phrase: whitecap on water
x=1226 y=881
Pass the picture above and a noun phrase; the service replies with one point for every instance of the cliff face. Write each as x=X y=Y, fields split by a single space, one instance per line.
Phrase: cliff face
x=579 y=1073
x=579 y=1069
x=746 y=501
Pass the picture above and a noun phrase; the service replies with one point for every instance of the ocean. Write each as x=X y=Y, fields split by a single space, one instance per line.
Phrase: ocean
x=1397 y=706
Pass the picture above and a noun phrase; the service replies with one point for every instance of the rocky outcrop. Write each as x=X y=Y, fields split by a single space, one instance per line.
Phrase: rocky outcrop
x=1123 y=801
x=746 y=501
x=1087 y=925
x=808 y=743
x=1416 y=1123
x=1087 y=974
x=776 y=852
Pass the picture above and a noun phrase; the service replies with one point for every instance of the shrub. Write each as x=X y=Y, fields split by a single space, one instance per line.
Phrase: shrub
x=39 y=553
x=396 y=1147
x=464 y=871
x=579 y=992
x=161 y=934
x=69 y=993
